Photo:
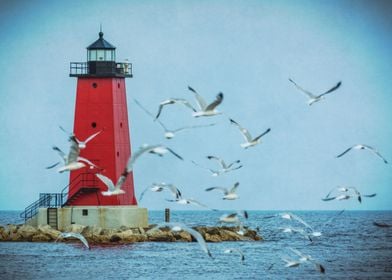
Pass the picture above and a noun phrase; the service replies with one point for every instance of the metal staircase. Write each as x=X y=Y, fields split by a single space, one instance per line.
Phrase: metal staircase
x=87 y=183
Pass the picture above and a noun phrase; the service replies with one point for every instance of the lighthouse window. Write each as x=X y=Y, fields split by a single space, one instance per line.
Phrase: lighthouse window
x=92 y=55
x=94 y=85
x=118 y=85
x=118 y=154
x=121 y=124
x=100 y=55
x=84 y=212
x=93 y=124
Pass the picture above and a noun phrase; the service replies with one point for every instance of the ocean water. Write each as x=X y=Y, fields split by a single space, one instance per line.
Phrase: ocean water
x=349 y=248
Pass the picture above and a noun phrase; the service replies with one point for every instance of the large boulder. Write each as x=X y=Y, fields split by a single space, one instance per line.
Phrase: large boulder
x=212 y=237
x=47 y=230
x=40 y=237
x=27 y=232
x=159 y=235
x=75 y=228
x=90 y=231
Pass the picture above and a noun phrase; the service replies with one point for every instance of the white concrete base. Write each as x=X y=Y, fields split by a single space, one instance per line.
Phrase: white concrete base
x=101 y=216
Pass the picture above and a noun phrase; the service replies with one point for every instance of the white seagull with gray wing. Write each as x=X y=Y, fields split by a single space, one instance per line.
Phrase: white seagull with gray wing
x=312 y=97
x=363 y=147
x=206 y=110
x=250 y=141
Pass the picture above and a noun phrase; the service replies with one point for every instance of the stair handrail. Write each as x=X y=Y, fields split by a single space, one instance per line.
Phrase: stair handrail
x=32 y=209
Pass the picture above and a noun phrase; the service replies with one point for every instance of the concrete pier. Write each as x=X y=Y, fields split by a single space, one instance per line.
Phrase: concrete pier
x=102 y=216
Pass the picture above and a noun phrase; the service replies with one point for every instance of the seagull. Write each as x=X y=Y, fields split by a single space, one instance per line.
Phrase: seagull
x=159 y=150
x=250 y=142
x=116 y=189
x=233 y=250
x=160 y=187
x=195 y=234
x=81 y=144
x=233 y=217
x=184 y=201
x=290 y=263
x=74 y=235
x=113 y=189
x=301 y=231
x=290 y=216
x=224 y=167
x=169 y=134
x=72 y=161
x=173 y=101
x=308 y=258
x=345 y=194
x=363 y=147
x=204 y=109
x=228 y=194
x=315 y=98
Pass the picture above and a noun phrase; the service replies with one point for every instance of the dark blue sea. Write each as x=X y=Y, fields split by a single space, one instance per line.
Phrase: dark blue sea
x=352 y=247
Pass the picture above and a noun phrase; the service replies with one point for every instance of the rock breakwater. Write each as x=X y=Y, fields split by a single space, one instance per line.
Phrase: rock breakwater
x=98 y=235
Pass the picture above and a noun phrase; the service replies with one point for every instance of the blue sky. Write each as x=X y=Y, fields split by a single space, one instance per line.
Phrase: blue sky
x=245 y=49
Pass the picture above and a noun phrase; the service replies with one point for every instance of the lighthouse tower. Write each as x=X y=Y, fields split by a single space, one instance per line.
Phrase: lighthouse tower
x=101 y=107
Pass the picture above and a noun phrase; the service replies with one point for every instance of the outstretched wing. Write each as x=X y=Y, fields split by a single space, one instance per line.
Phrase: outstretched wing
x=107 y=181
x=150 y=114
x=332 y=89
x=234 y=188
x=199 y=100
x=73 y=150
x=220 y=161
x=174 y=153
x=61 y=153
x=375 y=152
x=192 y=126
x=309 y=94
x=244 y=131
x=346 y=151
x=224 y=190
x=218 y=100
x=261 y=135
x=173 y=101
x=92 y=136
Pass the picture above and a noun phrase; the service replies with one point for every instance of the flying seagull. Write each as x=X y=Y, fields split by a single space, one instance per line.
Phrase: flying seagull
x=159 y=150
x=160 y=187
x=73 y=235
x=228 y=194
x=233 y=217
x=307 y=258
x=204 y=109
x=363 y=147
x=72 y=161
x=344 y=194
x=179 y=227
x=169 y=134
x=250 y=141
x=82 y=144
x=235 y=250
x=312 y=97
x=184 y=201
x=290 y=216
x=224 y=167
x=171 y=101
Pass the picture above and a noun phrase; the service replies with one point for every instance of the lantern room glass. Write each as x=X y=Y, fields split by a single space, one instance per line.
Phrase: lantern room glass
x=101 y=55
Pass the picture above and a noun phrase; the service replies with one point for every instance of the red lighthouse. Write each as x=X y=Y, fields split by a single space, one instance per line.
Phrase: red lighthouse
x=101 y=105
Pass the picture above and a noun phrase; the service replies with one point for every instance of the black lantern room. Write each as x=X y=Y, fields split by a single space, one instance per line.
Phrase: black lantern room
x=101 y=62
